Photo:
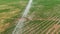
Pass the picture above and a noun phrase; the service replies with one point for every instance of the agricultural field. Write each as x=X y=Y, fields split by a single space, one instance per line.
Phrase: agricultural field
x=10 y=12
x=44 y=16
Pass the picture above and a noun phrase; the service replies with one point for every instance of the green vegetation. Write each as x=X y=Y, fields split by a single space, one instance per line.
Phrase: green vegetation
x=10 y=12
x=45 y=14
x=45 y=8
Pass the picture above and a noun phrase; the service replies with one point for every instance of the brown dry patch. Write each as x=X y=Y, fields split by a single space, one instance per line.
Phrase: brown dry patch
x=3 y=27
x=8 y=14
x=55 y=27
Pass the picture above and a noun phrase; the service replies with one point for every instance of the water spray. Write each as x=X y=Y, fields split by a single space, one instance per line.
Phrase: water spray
x=18 y=29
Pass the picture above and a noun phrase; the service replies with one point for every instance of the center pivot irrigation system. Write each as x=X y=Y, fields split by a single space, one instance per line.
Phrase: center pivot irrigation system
x=18 y=29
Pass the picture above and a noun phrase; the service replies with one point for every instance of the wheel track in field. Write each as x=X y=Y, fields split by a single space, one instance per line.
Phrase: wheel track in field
x=47 y=25
x=36 y=28
x=38 y=25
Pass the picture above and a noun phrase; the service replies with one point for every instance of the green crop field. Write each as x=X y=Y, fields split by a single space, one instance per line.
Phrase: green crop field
x=10 y=12
x=44 y=15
